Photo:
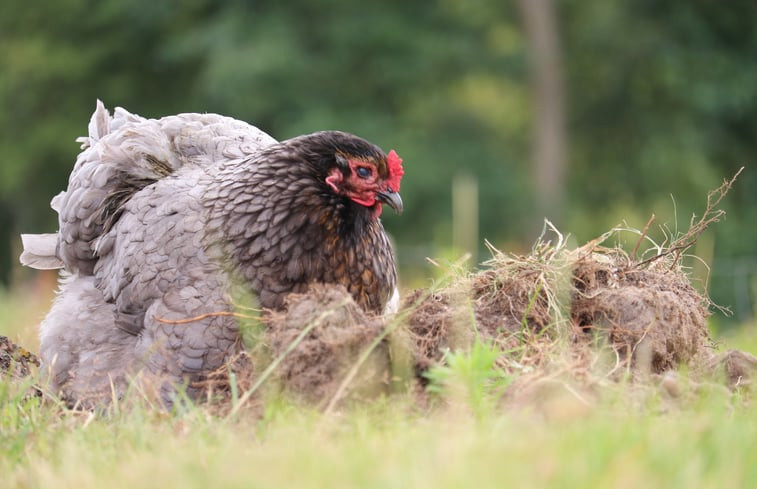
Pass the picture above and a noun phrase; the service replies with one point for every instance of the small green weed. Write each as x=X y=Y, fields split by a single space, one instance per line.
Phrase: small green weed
x=471 y=377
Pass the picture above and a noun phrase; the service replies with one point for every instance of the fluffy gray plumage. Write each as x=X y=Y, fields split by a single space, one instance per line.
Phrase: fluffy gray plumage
x=165 y=221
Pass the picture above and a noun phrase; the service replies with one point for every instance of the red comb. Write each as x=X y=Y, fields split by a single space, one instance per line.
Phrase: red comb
x=395 y=170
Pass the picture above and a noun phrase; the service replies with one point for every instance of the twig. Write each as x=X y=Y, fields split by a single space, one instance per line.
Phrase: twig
x=697 y=227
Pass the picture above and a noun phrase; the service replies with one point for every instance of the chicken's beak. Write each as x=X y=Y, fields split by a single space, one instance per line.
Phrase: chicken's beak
x=392 y=199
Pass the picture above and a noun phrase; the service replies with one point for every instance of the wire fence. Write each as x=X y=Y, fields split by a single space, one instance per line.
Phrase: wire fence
x=733 y=284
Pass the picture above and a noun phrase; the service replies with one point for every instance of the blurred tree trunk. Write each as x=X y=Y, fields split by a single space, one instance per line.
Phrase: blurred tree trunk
x=548 y=145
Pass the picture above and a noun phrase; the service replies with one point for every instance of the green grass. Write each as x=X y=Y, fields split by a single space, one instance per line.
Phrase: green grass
x=709 y=444
x=743 y=338
x=464 y=437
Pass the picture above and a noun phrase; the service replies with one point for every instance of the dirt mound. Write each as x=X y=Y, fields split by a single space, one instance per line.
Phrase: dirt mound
x=16 y=361
x=308 y=351
x=650 y=315
x=319 y=338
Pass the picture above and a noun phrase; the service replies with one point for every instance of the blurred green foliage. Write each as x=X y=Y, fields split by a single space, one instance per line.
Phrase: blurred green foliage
x=662 y=99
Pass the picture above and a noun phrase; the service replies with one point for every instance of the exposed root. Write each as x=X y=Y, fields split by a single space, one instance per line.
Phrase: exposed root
x=206 y=316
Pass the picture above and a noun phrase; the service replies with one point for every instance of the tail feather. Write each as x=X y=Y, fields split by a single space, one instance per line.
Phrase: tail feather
x=99 y=126
x=57 y=201
x=40 y=251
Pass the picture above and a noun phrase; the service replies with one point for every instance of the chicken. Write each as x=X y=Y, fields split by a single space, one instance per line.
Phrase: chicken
x=166 y=223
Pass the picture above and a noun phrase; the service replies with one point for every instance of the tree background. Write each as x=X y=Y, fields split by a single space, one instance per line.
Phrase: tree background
x=657 y=100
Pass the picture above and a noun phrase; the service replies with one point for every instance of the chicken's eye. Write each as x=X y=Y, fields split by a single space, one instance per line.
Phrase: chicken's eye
x=363 y=172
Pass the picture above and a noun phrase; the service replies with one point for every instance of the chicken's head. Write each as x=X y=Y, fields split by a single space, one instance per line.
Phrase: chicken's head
x=368 y=179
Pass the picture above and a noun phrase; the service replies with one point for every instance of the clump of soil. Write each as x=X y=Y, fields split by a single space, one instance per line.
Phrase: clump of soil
x=314 y=343
x=433 y=324
x=319 y=338
x=504 y=304
x=15 y=361
x=651 y=314
x=510 y=296
x=738 y=368
x=17 y=364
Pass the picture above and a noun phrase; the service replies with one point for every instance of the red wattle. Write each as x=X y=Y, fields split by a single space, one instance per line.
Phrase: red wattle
x=365 y=202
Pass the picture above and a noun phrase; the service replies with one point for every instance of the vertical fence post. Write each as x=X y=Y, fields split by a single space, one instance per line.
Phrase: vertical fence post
x=465 y=214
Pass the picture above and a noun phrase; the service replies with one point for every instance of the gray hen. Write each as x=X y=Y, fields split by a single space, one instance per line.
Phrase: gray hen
x=165 y=221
